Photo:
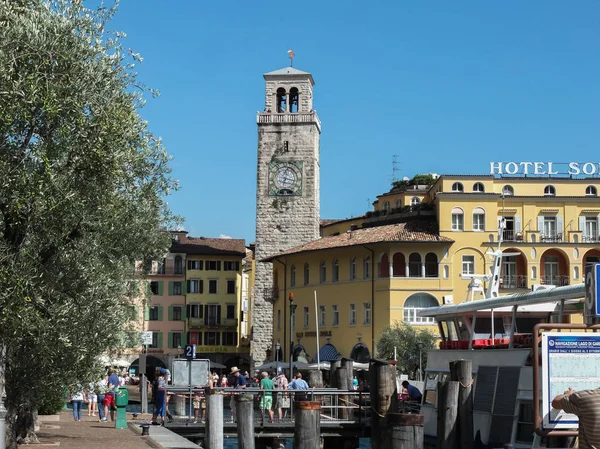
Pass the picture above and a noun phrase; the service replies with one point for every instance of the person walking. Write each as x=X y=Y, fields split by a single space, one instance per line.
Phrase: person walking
x=266 y=397
x=92 y=399
x=236 y=380
x=101 y=390
x=282 y=400
x=160 y=398
x=586 y=405
x=300 y=386
x=77 y=402
x=109 y=398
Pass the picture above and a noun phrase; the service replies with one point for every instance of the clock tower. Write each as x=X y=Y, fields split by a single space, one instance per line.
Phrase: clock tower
x=287 y=191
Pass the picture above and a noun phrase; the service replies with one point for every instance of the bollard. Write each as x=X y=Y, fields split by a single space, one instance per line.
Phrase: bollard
x=383 y=395
x=461 y=371
x=447 y=414
x=214 y=422
x=145 y=429
x=307 y=431
x=405 y=431
x=244 y=411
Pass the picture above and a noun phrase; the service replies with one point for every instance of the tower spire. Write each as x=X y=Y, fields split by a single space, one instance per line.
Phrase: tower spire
x=291 y=55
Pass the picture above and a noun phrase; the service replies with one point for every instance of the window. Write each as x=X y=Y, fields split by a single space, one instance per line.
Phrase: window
x=195 y=311
x=212 y=314
x=306 y=274
x=366 y=313
x=415 y=201
x=154 y=287
x=352 y=275
x=195 y=286
x=367 y=267
x=306 y=317
x=279 y=319
x=458 y=222
x=478 y=219
x=229 y=265
x=177 y=288
x=416 y=302
x=322 y=316
x=335 y=314
x=230 y=287
x=591 y=191
x=323 y=273
x=431 y=265
x=590 y=229
x=508 y=190
x=155 y=340
x=468 y=264
x=194 y=264
x=176 y=343
x=160 y=269
x=294 y=103
x=230 y=338
x=549 y=227
x=177 y=313
x=212 y=338
x=178 y=265
x=230 y=311
x=335 y=271
x=352 y=315
x=386 y=206
x=212 y=265
x=397 y=203
x=154 y=312
x=281 y=100
x=550 y=191
x=293 y=276
x=414 y=265
x=212 y=286
x=458 y=187
x=478 y=187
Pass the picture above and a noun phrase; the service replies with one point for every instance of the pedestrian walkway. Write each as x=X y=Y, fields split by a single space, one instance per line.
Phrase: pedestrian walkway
x=90 y=434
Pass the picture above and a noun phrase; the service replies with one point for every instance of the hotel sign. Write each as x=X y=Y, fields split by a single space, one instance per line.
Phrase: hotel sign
x=313 y=334
x=545 y=168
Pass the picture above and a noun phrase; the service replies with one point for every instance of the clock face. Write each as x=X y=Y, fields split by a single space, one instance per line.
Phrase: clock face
x=285 y=178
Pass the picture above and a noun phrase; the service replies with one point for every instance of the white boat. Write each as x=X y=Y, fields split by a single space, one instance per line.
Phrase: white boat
x=495 y=333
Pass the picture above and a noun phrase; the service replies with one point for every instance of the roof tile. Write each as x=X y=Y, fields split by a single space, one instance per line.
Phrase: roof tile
x=209 y=246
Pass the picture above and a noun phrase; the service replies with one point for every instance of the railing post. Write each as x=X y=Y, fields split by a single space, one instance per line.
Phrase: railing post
x=244 y=409
x=214 y=422
x=307 y=433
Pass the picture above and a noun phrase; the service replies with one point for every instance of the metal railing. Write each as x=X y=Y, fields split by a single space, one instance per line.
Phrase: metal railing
x=516 y=281
x=559 y=281
x=336 y=405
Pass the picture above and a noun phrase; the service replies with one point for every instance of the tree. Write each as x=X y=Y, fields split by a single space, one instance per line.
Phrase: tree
x=411 y=347
x=81 y=198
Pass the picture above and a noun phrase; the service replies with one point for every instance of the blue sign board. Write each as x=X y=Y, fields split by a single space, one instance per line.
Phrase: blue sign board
x=189 y=351
x=561 y=353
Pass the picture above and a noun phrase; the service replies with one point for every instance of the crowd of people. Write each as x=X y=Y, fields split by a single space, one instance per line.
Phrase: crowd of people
x=99 y=396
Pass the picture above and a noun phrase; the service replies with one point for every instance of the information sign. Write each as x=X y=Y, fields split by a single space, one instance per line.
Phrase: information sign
x=190 y=351
x=569 y=360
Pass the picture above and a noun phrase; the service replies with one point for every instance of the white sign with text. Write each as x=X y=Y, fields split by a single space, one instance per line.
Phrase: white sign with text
x=545 y=168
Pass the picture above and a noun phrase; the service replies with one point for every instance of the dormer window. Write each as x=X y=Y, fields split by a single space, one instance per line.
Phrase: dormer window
x=457 y=187
x=591 y=191
x=550 y=191
x=508 y=190
x=478 y=187
x=294 y=103
x=281 y=100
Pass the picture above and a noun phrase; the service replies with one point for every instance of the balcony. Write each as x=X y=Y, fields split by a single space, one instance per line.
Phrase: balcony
x=552 y=238
x=513 y=282
x=590 y=238
x=559 y=281
x=269 y=117
x=512 y=236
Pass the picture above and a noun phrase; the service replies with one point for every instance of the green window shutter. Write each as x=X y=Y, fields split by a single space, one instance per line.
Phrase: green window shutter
x=146 y=313
x=184 y=288
x=170 y=313
x=170 y=288
x=160 y=342
x=160 y=287
x=170 y=342
x=160 y=313
x=184 y=313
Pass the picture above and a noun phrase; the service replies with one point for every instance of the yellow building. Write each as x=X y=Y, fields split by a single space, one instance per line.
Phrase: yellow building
x=420 y=239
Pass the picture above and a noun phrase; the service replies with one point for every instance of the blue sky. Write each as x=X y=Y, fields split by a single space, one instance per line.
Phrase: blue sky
x=446 y=86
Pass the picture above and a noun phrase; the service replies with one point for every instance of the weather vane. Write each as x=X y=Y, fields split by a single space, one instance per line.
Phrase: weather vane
x=291 y=55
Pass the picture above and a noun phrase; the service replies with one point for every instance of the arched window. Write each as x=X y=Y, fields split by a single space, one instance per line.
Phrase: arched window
x=353 y=269
x=293 y=276
x=478 y=219
x=550 y=191
x=323 y=272
x=399 y=265
x=458 y=219
x=294 y=103
x=386 y=206
x=508 y=190
x=397 y=203
x=281 y=100
x=414 y=265
x=458 y=187
x=367 y=267
x=478 y=187
x=335 y=271
x=591 y=191
x=431 y=265
x=416 y=302
x=306 y=274
x=415 y=201
x=178 y=265
x=384 y=266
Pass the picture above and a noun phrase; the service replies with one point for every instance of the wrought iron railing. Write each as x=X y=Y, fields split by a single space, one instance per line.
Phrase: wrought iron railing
x=559 y=281
x=516 y=281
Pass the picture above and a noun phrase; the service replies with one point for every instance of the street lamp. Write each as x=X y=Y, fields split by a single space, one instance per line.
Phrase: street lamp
x=292 y=313
x=277 y=349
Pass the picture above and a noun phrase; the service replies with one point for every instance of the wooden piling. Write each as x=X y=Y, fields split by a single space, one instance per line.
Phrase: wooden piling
x=315 y=378
x=383 y=395
x=214 y=422
x=343 y=400
x=461 y=371
x=447 y=414
x=349 y=365
x=333 y=367
x=307 y=433
x=244 y=412
x=405 y=431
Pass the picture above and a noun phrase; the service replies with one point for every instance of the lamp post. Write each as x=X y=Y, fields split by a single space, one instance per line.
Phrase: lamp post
x=292 y=313
x=277 y=349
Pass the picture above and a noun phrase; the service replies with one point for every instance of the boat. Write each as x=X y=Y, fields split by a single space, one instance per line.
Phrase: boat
x=495 y=333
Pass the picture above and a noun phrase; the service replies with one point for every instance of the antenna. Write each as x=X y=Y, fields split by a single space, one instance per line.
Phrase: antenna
x=395 y=167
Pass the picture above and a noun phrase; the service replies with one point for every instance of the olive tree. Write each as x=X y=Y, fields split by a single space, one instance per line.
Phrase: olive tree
x=411 y=346
x=82 y=197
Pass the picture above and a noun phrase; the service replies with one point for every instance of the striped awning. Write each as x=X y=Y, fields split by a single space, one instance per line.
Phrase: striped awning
x=328 y=353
